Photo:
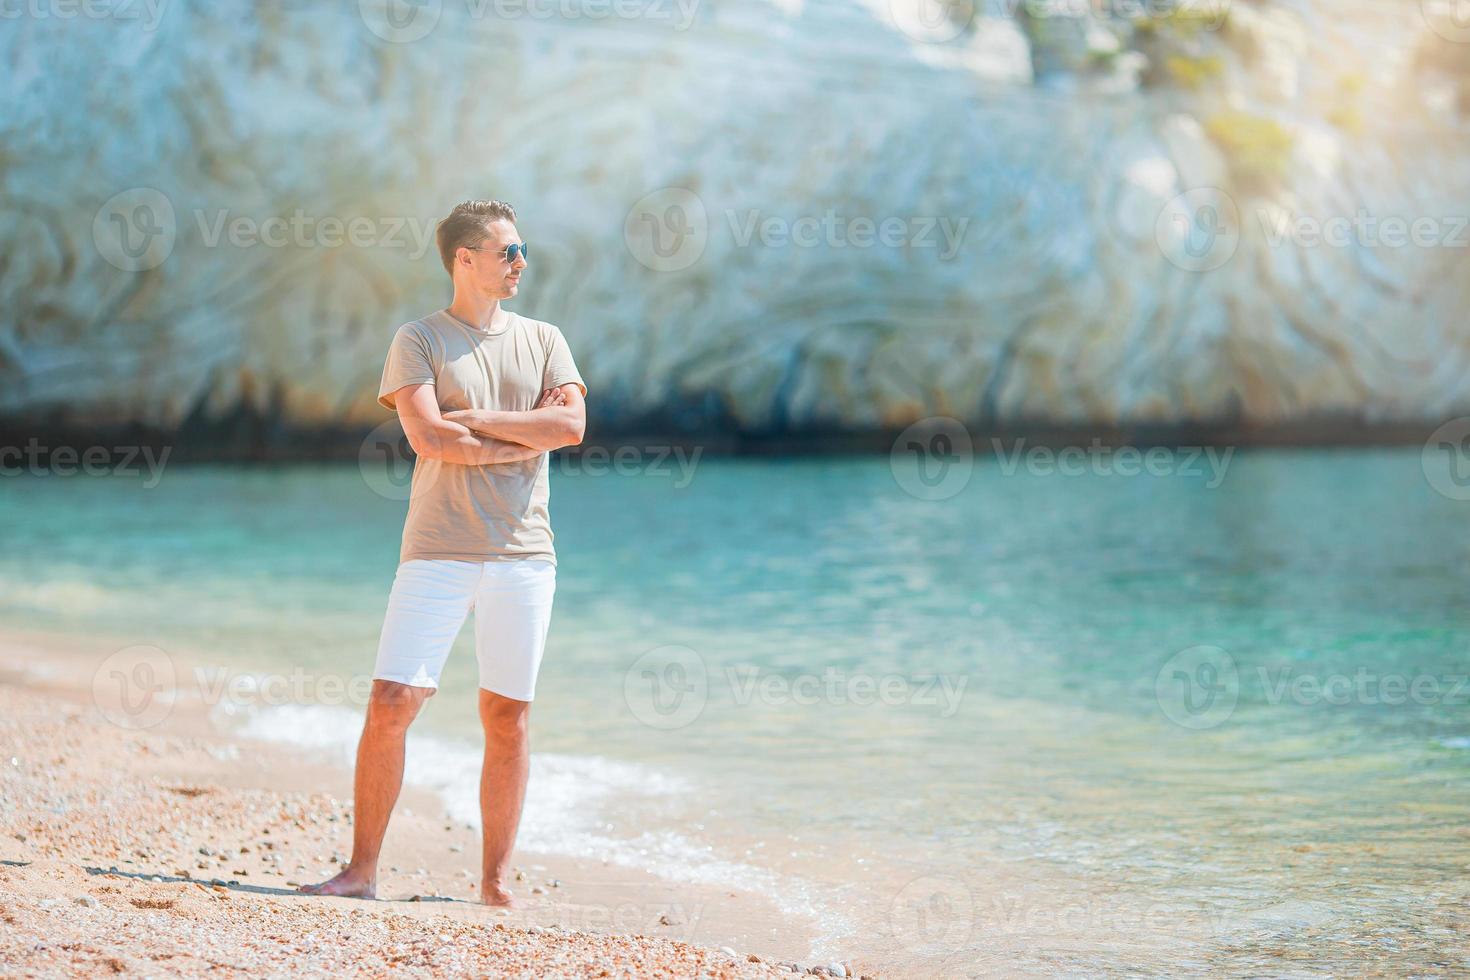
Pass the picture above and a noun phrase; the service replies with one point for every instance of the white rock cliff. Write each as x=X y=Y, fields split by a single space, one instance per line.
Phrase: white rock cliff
x=760 y=215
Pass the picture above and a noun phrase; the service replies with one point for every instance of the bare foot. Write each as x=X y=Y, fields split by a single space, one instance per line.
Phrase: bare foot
x=496 y=896
x=350 y=883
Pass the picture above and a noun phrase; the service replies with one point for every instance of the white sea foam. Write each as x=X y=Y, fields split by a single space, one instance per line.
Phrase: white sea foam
x=574 y=804
x=64 y=596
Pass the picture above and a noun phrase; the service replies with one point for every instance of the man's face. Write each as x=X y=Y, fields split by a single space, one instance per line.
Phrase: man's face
x=484 y=267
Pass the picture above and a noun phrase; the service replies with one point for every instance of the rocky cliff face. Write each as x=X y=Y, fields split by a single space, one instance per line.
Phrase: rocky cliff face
x=769 y=215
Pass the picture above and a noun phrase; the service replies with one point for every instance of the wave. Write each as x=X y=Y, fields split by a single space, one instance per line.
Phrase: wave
x=575 y=805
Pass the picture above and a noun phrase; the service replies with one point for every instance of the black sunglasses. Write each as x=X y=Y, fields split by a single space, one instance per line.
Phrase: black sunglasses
x=511 y=252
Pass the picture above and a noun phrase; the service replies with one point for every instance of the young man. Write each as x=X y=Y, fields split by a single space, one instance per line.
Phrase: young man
x=483 y=394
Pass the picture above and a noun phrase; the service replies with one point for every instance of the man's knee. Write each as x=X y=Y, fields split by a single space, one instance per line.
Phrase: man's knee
x=392 y=707
x=504 y=718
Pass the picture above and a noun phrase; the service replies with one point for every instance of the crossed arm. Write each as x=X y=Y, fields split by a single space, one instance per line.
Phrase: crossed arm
x=480 y=438
x=558 y=420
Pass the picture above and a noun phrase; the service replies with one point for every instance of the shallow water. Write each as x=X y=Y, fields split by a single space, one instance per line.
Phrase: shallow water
x=1051 y=724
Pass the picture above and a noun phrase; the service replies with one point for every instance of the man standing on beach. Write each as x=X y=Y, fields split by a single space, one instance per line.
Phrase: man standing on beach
x=483 y=394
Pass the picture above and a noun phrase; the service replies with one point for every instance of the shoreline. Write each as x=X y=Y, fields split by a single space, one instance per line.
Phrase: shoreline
x=125 y=842
x=258 y=441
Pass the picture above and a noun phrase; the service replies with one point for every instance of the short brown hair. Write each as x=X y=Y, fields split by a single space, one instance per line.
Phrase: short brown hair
x=467 y=225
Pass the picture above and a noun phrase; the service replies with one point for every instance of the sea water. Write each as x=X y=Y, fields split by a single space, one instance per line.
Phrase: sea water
x=1039 y=722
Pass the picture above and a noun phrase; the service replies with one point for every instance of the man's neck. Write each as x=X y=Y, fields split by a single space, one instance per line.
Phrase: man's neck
x=479 y=312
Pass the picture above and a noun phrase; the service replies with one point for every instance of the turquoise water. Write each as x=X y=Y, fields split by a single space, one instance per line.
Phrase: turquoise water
x=1049 y=784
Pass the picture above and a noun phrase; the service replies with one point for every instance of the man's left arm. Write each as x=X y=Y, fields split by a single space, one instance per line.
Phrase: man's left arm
x=559 y=419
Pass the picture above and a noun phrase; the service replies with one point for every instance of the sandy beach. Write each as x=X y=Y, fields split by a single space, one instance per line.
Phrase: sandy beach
x=177 y=849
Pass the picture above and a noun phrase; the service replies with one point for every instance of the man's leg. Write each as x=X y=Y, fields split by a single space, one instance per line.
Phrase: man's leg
x=512 y=615
x=427 y=607
x=502 y=788
x=375 y=785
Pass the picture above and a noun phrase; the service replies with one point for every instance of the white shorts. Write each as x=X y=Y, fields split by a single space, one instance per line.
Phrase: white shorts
x=428 y=606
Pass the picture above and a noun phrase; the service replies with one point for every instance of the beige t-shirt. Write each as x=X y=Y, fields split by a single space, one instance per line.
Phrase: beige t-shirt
x=479 y=513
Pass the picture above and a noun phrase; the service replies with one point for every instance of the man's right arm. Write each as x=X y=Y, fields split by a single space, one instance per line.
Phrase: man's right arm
x=433 y=436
